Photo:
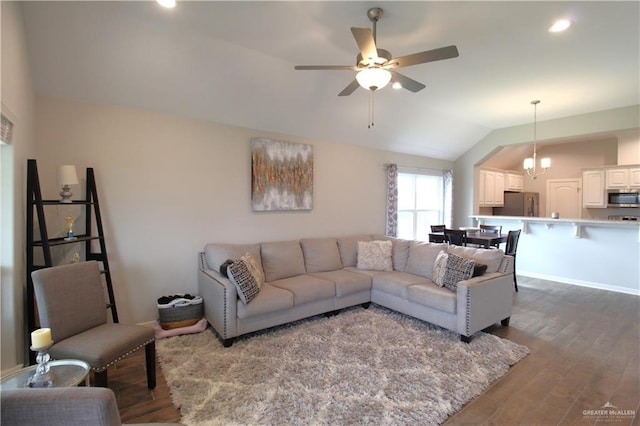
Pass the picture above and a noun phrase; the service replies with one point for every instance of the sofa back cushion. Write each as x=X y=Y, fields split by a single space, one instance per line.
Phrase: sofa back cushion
x=489 y=257
x=400 y=251
x=321 y=254
x=348 y=247
x=216 y=254
x=422 y=255
x=282 y=259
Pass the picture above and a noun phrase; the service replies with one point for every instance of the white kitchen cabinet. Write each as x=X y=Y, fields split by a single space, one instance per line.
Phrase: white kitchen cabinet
x=634 y=177
x=593 y=189
x=617 y=178
x=491 y=188
x=514 y=182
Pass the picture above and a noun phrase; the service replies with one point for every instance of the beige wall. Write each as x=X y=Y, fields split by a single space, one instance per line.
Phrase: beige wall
x=18 y=103
x=169 y=185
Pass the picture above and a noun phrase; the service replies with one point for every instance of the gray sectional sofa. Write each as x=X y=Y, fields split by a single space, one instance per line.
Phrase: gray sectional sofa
x=313 y=276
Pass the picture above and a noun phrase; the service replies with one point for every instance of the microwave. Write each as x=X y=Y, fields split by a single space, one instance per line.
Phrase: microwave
x=623 y=198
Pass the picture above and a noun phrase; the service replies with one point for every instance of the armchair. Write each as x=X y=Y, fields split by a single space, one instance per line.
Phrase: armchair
x=71 y=302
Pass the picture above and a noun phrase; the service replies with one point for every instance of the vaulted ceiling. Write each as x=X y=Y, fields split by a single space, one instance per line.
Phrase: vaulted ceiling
x=233 y=62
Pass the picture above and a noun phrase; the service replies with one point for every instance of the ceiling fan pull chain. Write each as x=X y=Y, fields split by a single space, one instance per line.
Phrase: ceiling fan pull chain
x=370 y=109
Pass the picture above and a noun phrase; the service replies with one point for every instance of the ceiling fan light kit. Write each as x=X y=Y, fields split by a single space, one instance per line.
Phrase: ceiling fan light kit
x=376 y=67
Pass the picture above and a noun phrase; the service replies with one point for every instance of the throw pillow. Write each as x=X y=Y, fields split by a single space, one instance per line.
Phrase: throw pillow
x=440 y=267
x=375 y=255
x=458 y=269
x=224 y=267
x=245 y=283
x=254 y=268
x=478 y=270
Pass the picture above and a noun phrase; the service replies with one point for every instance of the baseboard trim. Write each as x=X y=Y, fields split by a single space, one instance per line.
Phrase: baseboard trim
x=581 y=283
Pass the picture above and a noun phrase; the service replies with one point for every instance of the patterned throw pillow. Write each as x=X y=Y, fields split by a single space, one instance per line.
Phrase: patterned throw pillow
x=254 y=268
x=458 y=269
x=244 y=281
x=375 y=255
x=440 y=267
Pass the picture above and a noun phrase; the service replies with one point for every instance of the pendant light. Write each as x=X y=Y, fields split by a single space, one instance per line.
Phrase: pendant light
x=530 y=162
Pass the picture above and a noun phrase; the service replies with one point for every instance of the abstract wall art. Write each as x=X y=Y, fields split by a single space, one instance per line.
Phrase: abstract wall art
x=281 y=175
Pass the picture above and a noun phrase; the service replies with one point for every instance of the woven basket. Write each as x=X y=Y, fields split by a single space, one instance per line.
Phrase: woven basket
x=181 y=315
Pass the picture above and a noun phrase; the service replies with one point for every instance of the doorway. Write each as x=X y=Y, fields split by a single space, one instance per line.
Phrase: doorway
x=564 y=197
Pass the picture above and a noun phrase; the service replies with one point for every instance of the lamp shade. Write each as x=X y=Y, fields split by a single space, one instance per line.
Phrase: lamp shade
x=528 y=163
x=373 y=78
x=67 y=175
x=545 y=163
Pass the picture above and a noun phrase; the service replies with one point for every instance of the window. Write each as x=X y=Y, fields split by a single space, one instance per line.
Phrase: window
x=420 y=204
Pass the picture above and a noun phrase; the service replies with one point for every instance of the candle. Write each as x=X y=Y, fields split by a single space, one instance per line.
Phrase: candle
x=41 y=338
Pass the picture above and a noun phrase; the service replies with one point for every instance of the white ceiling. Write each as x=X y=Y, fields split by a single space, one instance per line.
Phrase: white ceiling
x=232 y=62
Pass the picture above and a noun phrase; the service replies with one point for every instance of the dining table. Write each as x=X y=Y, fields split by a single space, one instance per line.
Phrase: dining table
x=484 y=239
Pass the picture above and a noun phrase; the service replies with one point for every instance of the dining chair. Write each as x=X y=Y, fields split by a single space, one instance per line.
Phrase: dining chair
x=457 y=237
x=512 y=246
x=71 y=302
x=491 y=229
x=438 y=228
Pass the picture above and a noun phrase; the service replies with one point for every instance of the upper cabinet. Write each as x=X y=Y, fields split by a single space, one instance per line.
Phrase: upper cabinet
x=491 y=188
x=514 y=182
x=593 y=189
x=621 y=178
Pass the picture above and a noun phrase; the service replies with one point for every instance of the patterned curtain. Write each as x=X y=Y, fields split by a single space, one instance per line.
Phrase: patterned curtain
x=392 y=200
x=447 y=177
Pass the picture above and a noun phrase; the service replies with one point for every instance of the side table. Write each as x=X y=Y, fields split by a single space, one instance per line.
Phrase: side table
x=66 y=373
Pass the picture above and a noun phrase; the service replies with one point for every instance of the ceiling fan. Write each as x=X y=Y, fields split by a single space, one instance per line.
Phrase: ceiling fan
x=376 y=66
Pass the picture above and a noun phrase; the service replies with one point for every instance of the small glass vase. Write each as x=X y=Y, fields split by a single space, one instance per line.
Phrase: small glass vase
x=43 y=377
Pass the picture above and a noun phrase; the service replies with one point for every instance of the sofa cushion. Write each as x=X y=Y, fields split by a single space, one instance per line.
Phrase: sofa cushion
x=346 y=282
x=375 y=255
x=400 y=252
x=429 y=294
x=440 y=267
x=306 y=288
x=282 y=259
x=422 y=256
x=270 y=299
x=321 y=254
x=254 y=268
x=217 y=254
x=396 y=282
x=458 y=269
x=245 y=282
x=490 y=257
x=348 y=247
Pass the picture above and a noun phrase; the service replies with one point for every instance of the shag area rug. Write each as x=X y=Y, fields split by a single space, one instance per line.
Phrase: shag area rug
x=363 y=366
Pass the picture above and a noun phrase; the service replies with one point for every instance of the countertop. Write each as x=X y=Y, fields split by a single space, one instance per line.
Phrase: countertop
x=548 y=220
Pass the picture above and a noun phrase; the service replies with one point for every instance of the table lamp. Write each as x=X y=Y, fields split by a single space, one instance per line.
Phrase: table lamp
x=67 y=176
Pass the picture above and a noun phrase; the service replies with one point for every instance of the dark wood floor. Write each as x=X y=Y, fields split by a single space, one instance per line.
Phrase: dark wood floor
x=585 y=352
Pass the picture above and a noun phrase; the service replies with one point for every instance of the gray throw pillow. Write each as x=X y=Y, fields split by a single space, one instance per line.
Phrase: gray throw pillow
x=241 y=277
x=457 y=269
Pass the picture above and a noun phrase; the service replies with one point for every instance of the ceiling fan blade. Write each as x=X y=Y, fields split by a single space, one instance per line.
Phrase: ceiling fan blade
x=406 y=82
x=325 y=67
x=426 y=56
x=350 y=88
x=365 y=41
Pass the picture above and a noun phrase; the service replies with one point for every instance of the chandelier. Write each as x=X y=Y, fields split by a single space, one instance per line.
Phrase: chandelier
x=530 y=162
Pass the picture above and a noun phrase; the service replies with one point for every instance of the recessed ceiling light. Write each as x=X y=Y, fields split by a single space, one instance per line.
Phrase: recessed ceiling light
x=169 y=4
x=396 y=85
x=560 y=25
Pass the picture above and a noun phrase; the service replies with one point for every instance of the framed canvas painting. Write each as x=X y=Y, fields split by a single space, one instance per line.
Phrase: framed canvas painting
x=281 y=175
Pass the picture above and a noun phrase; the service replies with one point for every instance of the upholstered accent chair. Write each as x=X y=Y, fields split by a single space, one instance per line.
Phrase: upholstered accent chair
x=75 y=406
x=71 y=302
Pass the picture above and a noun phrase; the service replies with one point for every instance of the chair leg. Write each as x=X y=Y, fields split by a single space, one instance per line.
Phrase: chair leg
x=101 y=379
x=150 y=355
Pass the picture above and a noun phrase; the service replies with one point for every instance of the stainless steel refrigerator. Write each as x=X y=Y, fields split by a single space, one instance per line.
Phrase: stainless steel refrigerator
x=519 y=204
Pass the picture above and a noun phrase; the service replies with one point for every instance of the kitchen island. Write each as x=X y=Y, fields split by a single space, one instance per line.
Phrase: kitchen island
x=602 y=254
